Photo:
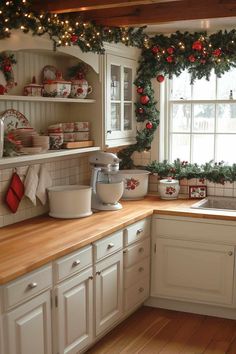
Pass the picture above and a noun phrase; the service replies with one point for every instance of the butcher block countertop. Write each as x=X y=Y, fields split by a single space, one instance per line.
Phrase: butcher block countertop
x=27 y=245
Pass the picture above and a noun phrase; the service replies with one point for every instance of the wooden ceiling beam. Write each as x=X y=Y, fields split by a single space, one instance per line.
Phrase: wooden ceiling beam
x=163 y=12
x=62 y=6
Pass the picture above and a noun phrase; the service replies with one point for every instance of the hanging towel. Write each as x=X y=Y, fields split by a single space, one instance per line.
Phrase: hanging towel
x=15 y=192
x=45 y=181
x=31 y=183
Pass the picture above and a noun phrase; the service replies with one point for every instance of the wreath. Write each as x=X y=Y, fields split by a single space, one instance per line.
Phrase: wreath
x=6 y=63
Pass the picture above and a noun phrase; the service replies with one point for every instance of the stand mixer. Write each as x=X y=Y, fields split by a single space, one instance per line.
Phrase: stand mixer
x=105 y=192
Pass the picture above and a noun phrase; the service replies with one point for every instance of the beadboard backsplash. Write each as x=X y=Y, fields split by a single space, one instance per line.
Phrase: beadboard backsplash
x=63 y=172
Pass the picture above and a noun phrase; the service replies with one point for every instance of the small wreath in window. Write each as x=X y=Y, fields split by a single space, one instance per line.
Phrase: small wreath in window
x=6 y=63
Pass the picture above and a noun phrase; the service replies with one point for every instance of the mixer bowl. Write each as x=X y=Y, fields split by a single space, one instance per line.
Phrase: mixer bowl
x=110 y=193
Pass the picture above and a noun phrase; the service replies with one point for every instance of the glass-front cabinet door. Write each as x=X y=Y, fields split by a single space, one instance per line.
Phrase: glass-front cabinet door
x=120 y=119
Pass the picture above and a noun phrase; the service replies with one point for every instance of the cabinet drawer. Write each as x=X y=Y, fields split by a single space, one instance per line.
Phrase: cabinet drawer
x=134 y=254
x=73 y=263
x=108 y=245
x=26 y=286
x=137 y=231
x=139 y=270
x=136 y=294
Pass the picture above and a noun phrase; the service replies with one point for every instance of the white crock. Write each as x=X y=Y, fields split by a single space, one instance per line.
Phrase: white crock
x=168 y=188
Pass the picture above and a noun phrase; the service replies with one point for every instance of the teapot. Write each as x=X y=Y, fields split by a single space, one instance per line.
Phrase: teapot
x=80 y=87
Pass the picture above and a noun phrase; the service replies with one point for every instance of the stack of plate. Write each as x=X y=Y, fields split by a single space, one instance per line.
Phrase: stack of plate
x=41 y=141
x=25 y=135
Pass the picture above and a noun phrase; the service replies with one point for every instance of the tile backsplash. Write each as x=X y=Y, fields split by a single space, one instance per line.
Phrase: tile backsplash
x=63 y=172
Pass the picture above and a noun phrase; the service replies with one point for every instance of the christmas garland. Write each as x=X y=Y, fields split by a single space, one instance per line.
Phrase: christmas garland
x=6 y=63
x=166 y=56
x=211 y=171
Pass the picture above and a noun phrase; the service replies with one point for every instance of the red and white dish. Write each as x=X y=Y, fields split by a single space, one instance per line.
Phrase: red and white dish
x=14 y=119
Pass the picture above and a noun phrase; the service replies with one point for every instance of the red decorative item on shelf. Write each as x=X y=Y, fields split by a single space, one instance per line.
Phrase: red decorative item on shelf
x=140 y=90
x=197 y=45
x=149 y=125
x=144 y=99
x=3 y=90
x=217 y=52
x=192 y=58
x=155 y=49
x=74 y=38
x=160 y=78
x=15 y=192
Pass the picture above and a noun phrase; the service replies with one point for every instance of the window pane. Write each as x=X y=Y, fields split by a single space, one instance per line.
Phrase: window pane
x=127 y=116
x=202 y=148
x=181 y=118
x=203 y=118
x=205 y=90
x=180 y=87
x=179 y=146
x=226 y=83
x=115 y=117
x=226 y=148
x=226 y=118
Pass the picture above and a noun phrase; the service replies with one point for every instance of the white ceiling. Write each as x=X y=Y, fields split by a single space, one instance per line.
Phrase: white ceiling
x=209 y=25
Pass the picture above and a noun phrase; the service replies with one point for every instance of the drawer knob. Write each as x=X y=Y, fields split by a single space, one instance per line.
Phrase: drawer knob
x=141 y=269
x=110 y=245
x=141 y=250
x=230 y=253
x=98 y=273
x=139 y=231
x=141 y=290
x=75 y=263
x=32 y=285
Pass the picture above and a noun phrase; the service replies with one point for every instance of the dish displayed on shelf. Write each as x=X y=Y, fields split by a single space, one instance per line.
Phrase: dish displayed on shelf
x=49 y=73
x=14 y=119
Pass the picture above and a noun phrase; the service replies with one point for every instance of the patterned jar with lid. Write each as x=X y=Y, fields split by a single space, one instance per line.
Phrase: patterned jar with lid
x=168 y=188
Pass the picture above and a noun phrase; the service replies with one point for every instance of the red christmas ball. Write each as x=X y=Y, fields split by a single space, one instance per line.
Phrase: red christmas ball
x=160 y=78
x=149 y=125
x=7 y=68
x=74 y=38
x=217 y=52
x=170 y=59
x=192 y=58
x=140 y=90
x=155 y=49
x=144 y=99
x=197 y=45
x=170 y=50
x=140 y=110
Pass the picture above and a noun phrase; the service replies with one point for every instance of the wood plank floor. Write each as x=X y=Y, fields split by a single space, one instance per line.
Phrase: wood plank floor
x=152 y=331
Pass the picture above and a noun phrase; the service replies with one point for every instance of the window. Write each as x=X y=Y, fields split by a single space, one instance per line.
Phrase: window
x=201 y=124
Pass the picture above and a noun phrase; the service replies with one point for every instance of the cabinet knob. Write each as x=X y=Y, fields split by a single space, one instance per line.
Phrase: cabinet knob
x=110 y=245
x=75 y=263
x=125 y=251
x=230 y=253
x=141 y=269
x=91 y=277
x=32 y=285
x=139 y=231
x=141 y=290
x=141 y=250
x=98 y=273
x=109 y=131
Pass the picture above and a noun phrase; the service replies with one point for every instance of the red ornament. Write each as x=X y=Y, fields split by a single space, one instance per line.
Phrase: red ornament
x=217 y=52
x=203 y=61
x=140 y=110
x=149 y=125
x=192 y=58
x=74 y=38
x=2 y=90
x=140 y=90
x=170 y=59
x=170 y=50
x=144 y=99
x=160 y=78
x=197 y=45
x=155 y=49
x=7 y=68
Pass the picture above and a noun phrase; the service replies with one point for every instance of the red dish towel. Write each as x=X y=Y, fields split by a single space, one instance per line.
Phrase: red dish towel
x=15 y=192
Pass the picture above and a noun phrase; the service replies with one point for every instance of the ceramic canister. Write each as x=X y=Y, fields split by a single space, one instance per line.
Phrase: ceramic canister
x=169 y=188
x=80 y=88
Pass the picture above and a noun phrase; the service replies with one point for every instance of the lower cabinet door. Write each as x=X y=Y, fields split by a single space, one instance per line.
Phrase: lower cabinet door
x=108 y=291
x=193 y=271
x=28 y=327
x=74 y=313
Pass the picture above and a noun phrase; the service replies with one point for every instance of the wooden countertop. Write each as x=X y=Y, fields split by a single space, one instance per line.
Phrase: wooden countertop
x=27 y=245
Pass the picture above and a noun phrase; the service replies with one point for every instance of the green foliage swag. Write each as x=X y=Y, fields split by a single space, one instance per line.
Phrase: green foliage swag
x=212 y=171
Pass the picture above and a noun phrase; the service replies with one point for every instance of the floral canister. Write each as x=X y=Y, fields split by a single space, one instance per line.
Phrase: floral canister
x=169 y=188
x=57 y=88
x=33 y=89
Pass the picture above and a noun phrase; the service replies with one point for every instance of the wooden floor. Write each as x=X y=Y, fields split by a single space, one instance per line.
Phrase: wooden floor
x=152 y=331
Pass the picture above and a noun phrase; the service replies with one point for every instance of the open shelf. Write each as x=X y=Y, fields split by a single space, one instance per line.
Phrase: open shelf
x=44 y=99
x=17 y=160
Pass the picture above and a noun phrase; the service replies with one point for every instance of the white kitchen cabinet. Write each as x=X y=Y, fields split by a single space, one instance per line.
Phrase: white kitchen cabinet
x=28 y=327
x=188 y=266
x=108 y=291
x=74 y=315
x=120 y=95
